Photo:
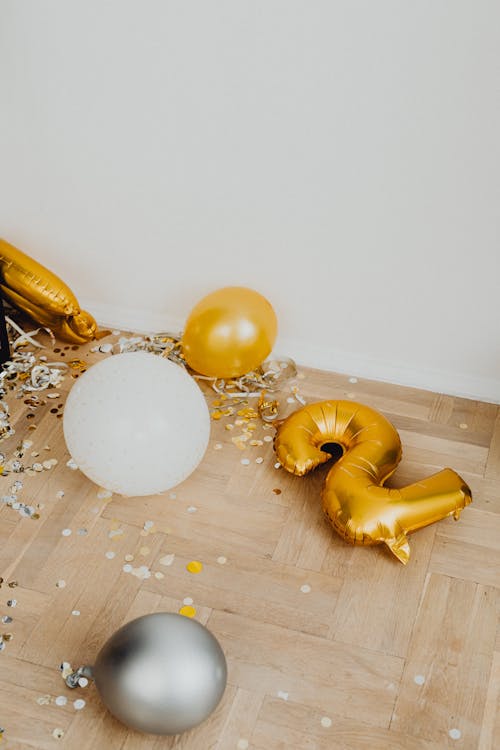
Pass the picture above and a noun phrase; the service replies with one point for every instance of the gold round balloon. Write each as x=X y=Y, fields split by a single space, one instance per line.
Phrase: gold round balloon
x=229 y=332
x=355 y=501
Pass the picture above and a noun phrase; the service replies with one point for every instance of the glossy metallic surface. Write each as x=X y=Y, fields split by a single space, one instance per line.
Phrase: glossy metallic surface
x=162 y=673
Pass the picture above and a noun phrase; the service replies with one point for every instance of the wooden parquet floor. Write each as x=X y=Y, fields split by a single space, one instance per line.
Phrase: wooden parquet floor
x=328 y=646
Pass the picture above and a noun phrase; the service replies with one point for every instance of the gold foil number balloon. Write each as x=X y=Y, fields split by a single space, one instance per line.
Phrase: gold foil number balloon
x=229 y=332
x=42 y=295
x=355 y=502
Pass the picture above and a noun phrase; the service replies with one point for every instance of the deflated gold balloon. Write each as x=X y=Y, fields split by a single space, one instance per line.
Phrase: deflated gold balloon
x=41 y=294
x=229 y=332
x=360 y=509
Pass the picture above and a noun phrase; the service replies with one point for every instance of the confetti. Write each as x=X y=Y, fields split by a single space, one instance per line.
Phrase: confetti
x=242 y=744
x=72 y=464
x=127 y=568
x=455 y=734
x=218 y=446
x=12 y=603
x=259 y=460
x=129 y=558
x=78 y=704
x=110 y=555
x=58 y=733
x=167 y=560
x=61 y=583
x=245 y=461
x=60 y=494
x=305 y=588
x=159 y=575
x=419 y=679
x=463 y=426
x=66 y=532
x=277 y=491
x=187 y=611
x=192 y=509
x=144 y=551
x=43 y=700
x=83 y=682
x=76 y=613
x=187 y=600
x=222 y=560
x=283 y=695
x=61 y=700
x=326 y=722
x=148 y=525
x=195 y=566
x=353 y=380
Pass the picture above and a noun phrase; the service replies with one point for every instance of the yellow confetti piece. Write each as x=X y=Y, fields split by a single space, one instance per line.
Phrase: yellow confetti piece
x=229 y=426
x=195 y=566
x=216 y=414
x=187 y=611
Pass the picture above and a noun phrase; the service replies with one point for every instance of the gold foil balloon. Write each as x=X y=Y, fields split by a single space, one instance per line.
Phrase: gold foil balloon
x=229 y=332
x=41 y=294
x=359 y=508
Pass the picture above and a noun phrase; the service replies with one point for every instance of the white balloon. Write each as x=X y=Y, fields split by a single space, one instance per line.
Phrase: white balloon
x=136 y=423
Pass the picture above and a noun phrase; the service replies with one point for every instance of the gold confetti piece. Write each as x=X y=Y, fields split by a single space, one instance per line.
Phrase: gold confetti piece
x=187 y=611
x=195 y=566
x=144 y=551
x=167 y=560
x=216 y=415
x=229 y=426
x=256 y=442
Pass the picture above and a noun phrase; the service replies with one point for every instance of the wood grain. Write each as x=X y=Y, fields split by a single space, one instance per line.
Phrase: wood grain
x=328 y=646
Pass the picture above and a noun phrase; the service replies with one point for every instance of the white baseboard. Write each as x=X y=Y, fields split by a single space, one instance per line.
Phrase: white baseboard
x=311 y=355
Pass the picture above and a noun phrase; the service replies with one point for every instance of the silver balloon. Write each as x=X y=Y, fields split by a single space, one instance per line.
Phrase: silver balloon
x=162 y=673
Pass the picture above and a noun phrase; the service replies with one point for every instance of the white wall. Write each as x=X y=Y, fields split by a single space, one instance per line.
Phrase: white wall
x=342 y=158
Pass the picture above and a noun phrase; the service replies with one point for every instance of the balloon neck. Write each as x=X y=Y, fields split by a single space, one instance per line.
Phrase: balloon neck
x=72 y=680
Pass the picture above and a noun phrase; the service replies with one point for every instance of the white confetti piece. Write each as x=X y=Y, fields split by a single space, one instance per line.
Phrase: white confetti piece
x=127 y=568
x=148 y=525
x=71 y=464
x=61 y=700
x=106 y=348
x=38 y=467
x=76 y=613
x=129 y=558
x=290 y=400
x=268 y=438
x=58 y=733
x=83 y=682
x=353 y=380
x=192 y=509
x=242 y=744
x=419 y=679
x=218 y=446
x=159 y=575
x=104 y=494
x=283 y=695
x=222 y=560
x=110 y=554
x=115 y=532
x=167 y=560
x=326 y=722
x=305 y=588
x=455 y=734
x=61 y=584
x=259 y=460
x=245 y=461
x=60 y=494
x=188 y=601
x=78 y=704
x=47 y=464
x=43 y=700
x=277 y=465
x=66 y=532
